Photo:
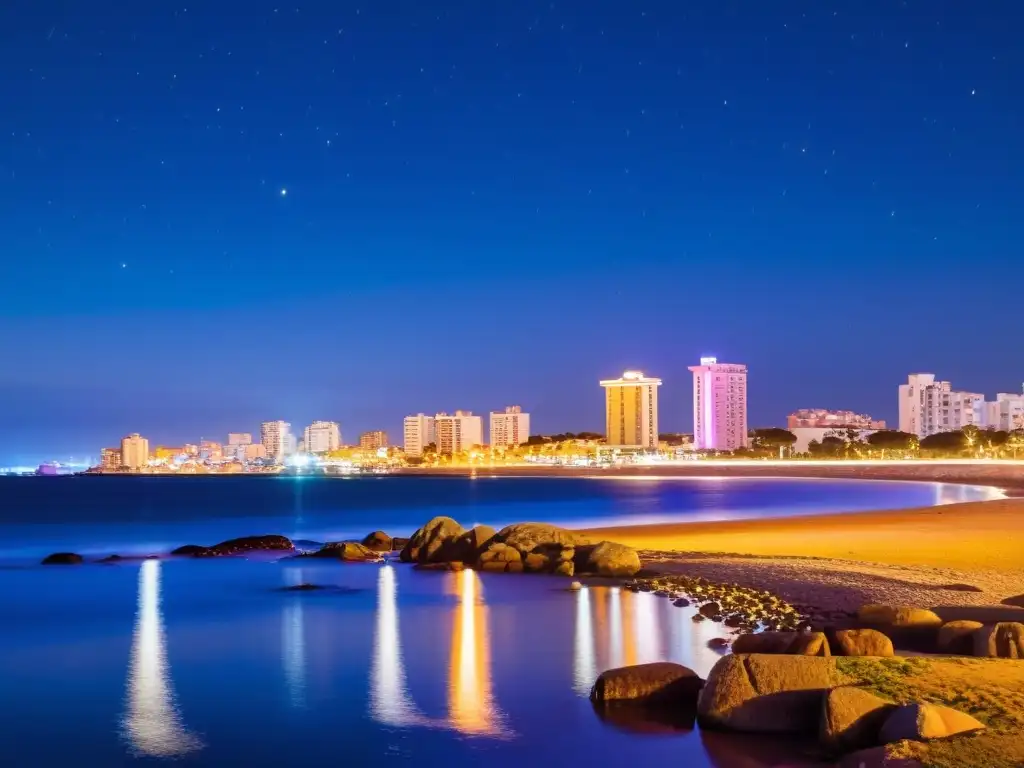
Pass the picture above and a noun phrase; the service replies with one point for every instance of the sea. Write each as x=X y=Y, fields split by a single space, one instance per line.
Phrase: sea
x=215 y=663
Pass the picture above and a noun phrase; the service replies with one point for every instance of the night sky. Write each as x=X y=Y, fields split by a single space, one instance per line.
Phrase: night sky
x=228 y=212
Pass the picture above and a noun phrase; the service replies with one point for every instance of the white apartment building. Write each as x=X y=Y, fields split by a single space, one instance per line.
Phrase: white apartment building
x=509 y=428
x=239 y=438
x=458 y=432
x=417 y=433
x=719 y=405
x=134 y=452
x=274 y=435
x=928 y=407
x=322 y=437
x=1006 y=413
x=631 y=411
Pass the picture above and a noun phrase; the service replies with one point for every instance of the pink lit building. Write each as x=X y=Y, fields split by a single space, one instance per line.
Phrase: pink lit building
x=719 y=405
x=819 y=417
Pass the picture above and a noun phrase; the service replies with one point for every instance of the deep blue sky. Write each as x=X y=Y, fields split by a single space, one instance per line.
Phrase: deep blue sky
x=496 y=202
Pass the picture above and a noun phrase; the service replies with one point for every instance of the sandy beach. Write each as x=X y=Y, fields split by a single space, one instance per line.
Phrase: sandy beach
x=968 y=554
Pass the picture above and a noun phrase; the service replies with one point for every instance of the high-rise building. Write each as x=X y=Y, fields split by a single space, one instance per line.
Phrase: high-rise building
x=373 y=441
x=417 y=433
x=134 y=452
x=1005 y=413
x=509 y=428
x=239 y=438
x=458 y=432
x=251 y=452
x=928 y=407
x=719 y=405
x=210 y=450
x=631 y=410
x=322 y=437
x=819 y=418
x=110 y=458
x=274 y=437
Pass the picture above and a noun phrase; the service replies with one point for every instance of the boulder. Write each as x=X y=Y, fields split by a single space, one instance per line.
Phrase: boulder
x=792 y=643
x=611 y=559
x=428 y=540
x=661 y=683
x=764 y=693
x=924 y=722
x=958 y=637
x=501 y=566
x=1004 y=640
x=565 y=568
x=529 y=537
x=451 y=565
x=378 y=541
x=499 y=553
x=575 y=586
x=709 y=610
x=351 y=551
x=1017 y=601
x=535 y=561
x=63 y=558
x=239 y=546
x=986 y=614
x=898 y=616
x=862 y=642
x=852 y=719
x=718 y=643
x=189 y=550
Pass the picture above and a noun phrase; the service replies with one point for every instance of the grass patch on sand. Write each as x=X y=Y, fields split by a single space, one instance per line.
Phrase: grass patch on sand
x=991 y=690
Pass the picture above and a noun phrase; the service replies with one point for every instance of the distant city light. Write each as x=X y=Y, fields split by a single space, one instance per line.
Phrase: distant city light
x=284 y=192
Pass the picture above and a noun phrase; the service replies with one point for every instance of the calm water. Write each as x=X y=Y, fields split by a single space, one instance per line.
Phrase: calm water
x=208 y=663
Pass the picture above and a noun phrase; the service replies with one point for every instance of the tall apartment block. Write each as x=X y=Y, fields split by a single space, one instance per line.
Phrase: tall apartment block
x=719 y=405
x=322 y=437
x=631 y=411
x=134 y=452
x=510 y=427
x=417 y=433
x=928 y=407
x=373 y=441
x=458 y=432
x=274 y=437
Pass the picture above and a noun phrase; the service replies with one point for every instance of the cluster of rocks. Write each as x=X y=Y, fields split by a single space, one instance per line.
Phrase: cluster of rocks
x=734 y=606
x=776 y=694
x=235 y=547
x=525 y=547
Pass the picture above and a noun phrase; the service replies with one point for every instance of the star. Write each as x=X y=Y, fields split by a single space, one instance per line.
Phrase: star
x=284 y=192
x=972 y=91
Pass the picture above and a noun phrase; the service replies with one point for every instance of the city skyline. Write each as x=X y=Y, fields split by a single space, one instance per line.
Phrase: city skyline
x=436 y=206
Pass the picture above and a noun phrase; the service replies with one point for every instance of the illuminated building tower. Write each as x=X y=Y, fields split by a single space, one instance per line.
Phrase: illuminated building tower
x=322 y=437
x=631 y=410
x=373 y=441
x=458 y=433
x=274 y=437
x=134 y=452
x=719 y=405
x=417 y=433
x=510 y=428
x=239 y=438
x=110 y=458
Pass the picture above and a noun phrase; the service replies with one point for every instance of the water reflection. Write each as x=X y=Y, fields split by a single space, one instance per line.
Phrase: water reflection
x=471 y=705
x=293 y=644
x=615 y=628
x=152 y=723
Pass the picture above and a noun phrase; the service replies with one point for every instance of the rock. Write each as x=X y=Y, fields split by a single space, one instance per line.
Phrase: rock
x=575 y=586
x=923 y=722
x=302 y=588
x=1004 y=640
x=682 y=602
x=852 y=719
x=239 y=546
x=611 y=559
x=876 y=757
x=398 y=544
x=862 y=642
x=528 y=537
x=536 y=562
x=791 y=643
x=767 y=693
x=709 y=609
x=718 y=643
x=429 y=539
x=661 y=683
x=564 y=568
x=63 y=558
x=986 y=614
x=477 y=538
x=958 y=637
x=378 y=541
x=898 y=616
x=500 y=553
x=189 y=550
x=1017 y=601
x=351 y=551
